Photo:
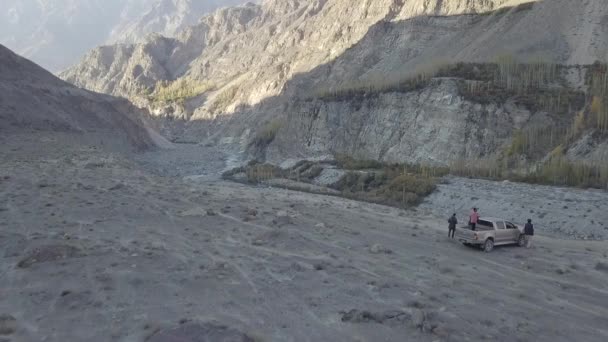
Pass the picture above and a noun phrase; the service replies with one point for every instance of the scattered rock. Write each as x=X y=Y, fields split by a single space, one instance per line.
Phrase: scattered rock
x=8 y=324
x=94 y=165
x=320 y=225
x=282 y=220
x=117 y=187
x=211 y=212
x=392 y=316
x=196 y=332
x=320 y=266
x=602 y=266
x=252 y=212
x=377 y=249
x=49 y=253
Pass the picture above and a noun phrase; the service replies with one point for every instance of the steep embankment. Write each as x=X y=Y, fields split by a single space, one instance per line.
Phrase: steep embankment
x=31 y=98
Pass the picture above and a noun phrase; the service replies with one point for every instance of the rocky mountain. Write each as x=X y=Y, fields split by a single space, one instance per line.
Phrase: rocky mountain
x=56 y=33
x=314 y=78
x=32 y=99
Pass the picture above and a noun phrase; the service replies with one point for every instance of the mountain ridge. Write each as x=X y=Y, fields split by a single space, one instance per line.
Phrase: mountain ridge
x=57 y=33
x=242 y=71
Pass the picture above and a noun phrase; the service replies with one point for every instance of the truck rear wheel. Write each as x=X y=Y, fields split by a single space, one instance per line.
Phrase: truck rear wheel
x=521 y=241
x=488 y=246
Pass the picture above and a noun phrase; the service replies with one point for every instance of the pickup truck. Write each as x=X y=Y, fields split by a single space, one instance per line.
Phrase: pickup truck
x=490 y=232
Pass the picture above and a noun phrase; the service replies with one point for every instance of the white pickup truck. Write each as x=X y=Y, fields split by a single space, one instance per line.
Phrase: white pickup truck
x=490 y=232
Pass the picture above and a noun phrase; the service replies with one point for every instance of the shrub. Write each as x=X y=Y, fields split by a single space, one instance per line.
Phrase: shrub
x=597 y=82
x=262 y=172
x=561 y=171
x=180 y=89
x=349 y=163
x=267 y=134
x=405 y=81
x=400 y=190
x=223 y=100
x=478 y=168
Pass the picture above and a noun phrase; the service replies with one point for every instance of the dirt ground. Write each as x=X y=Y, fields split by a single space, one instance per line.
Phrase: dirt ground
x=100 y=247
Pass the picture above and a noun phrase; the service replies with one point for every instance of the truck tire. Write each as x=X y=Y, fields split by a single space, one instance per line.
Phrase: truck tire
x=521 y=242
x=488 y=246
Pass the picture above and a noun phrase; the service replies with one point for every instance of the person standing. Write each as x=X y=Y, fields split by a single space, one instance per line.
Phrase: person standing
x=528 y=233
x=453 y=221
x=473 y=218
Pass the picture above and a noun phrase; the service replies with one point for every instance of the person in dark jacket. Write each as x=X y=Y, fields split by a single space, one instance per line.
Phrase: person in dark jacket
x=528 y=233
x=453 y=221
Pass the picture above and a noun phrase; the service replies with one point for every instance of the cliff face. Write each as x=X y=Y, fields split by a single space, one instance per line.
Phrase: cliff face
x=433 y=125
x=242 y=67
x=258 y=48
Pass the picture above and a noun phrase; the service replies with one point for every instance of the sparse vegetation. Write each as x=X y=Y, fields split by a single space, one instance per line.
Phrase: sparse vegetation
x=391 y=184
x=401 y=190
x=561 y=171
x=257 y=173
x=349 y=163
x=558 y=170
x=478 y=168
x=223 y=100
x=267 y=134
x=536 y=85
x=178 y=90
x=597 y=81
x=401 y=82
x=536 y=141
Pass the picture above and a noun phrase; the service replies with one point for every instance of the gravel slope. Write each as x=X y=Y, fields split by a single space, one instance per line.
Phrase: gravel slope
x=559 y=212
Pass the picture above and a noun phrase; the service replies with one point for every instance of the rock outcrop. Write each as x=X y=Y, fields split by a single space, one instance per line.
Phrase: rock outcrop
x=259 y=62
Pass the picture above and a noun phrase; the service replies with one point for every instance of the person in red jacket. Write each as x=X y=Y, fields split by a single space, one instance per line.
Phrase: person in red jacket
x=473 y=218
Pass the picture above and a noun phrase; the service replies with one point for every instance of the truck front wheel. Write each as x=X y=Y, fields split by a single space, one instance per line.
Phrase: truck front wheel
x=488 y=246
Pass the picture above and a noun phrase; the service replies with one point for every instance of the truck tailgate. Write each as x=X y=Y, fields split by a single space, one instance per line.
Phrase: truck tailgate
x=465 y=234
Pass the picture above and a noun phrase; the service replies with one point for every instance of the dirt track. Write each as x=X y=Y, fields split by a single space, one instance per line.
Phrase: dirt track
x=95 y=248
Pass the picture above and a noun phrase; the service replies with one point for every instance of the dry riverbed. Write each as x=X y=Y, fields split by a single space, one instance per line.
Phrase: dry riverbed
x=96 y=247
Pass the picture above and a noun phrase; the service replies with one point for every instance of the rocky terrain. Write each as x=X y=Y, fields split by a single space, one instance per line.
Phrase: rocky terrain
x=244 y=68
x=91 y=237
x=56 y=33
x=103 y=237
x=294 y=37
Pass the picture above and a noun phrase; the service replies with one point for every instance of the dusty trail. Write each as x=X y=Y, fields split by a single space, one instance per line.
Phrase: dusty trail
x=277 y=265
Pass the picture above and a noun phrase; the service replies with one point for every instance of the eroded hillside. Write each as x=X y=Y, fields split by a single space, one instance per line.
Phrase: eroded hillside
x=311 y=79
x=32 y=99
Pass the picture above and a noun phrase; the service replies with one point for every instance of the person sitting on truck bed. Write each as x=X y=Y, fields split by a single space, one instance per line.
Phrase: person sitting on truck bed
x=453 y=221
x=473 y=218
x=528 y=233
